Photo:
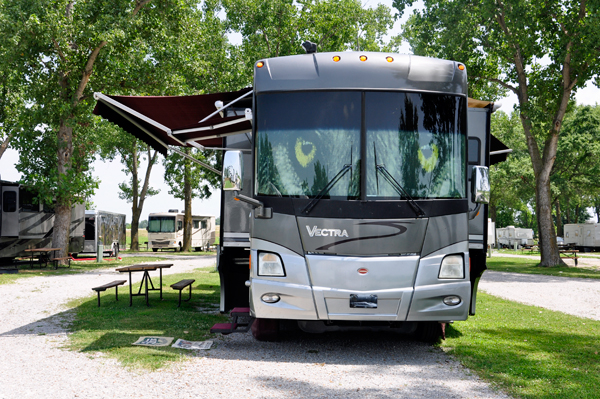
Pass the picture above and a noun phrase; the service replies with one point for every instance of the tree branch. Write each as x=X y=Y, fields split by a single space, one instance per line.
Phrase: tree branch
x=497 y=81
x=139 y=6
x=87 y=72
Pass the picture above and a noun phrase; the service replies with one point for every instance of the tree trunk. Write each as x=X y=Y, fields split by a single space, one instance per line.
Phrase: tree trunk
x=62 y=210
x=4 y=144
x=559 y=225
x=137 y=197
x=547 y=242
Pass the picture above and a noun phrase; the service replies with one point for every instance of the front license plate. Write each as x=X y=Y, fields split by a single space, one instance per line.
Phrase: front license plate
x=363 y=301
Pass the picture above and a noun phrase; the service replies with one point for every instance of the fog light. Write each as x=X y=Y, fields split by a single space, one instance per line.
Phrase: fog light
x=452 y=300
x=270 y=298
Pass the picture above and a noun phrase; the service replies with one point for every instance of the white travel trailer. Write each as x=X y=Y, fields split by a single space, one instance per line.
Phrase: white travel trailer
x=165 y=231
x=491 y=238
x=25 y=223
x=511 y=235
x=354 y=189
x=104 y=228
x=582 y=236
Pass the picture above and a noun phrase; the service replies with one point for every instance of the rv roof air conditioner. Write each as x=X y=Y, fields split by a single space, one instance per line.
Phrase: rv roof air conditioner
x=173 y=210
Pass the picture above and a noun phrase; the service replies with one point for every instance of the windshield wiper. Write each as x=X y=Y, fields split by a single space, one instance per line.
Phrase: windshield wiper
x=400 y=190
x=326 y=189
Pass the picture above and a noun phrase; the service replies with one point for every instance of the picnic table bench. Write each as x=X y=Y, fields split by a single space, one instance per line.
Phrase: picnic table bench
x=112 y=284
x=569 y=254
x=180 y=285
x=56 y=260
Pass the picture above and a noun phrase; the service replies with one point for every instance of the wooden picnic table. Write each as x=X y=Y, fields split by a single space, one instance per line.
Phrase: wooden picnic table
x=43 y=255
x=146 y=280
x=569 y=254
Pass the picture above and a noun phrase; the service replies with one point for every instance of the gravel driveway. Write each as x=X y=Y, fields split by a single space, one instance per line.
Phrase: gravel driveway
x=343 y=365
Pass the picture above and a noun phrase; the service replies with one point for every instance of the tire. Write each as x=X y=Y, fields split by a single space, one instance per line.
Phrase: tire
x=428 y=331
x=114 y=251
x=154 y=249
x=198 y=249
x=265 y=329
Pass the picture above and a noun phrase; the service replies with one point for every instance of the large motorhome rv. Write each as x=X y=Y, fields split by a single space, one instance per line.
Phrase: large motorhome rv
x=165 y=231
x=354 y=189
x=104 y=228
x=25 y=223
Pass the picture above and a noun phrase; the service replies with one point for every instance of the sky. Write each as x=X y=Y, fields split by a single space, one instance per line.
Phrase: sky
x=110 y=174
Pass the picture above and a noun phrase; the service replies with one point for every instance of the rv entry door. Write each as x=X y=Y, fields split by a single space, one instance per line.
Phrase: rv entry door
x=10 y=211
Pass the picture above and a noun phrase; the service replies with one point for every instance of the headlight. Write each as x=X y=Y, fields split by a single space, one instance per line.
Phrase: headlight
x=270 y=265
x=453 y=266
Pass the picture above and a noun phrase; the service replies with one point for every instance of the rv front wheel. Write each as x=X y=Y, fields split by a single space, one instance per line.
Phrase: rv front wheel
x=428 y=331
x=265 y=329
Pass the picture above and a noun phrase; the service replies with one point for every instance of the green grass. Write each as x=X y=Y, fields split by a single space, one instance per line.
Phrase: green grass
x=527 y=351
x=530 y=266
x=76 y=267
x=114 y=326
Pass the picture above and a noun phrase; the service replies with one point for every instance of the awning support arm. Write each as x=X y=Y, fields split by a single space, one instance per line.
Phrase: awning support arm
x=225 y=106
x=211 y=127
x=183 y=154
x=508 y=151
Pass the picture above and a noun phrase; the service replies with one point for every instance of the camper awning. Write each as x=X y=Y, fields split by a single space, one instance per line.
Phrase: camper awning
x=178 y=120
x=194 y=120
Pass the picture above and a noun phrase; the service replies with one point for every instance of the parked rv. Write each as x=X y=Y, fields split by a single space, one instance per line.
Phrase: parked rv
x=106 y=229
x=165 y=231
x=582 y=236
x=25 y=223
x=511 y=235
x=354 y=189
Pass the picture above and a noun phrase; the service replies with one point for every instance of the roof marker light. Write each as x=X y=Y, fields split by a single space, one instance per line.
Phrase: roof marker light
x=461 y=67
x=389 y=59
x=336 y=58
x=363 y=57
x=260 y=64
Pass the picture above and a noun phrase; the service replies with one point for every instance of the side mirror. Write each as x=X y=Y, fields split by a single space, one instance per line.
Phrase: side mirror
x=480 y=185
x=233 y=171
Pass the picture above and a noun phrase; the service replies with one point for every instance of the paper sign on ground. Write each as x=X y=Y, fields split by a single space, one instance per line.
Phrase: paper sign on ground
x=183 y=344
x=154 y=341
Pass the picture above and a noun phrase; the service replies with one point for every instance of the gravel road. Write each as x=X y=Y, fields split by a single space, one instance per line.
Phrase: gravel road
x=342 y=365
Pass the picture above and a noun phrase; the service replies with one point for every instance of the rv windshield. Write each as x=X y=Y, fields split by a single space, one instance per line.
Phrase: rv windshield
x=305 y=138
x=161 y=224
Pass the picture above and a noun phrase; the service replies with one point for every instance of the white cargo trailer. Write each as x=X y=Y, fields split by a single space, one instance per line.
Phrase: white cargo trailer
x=104 y=228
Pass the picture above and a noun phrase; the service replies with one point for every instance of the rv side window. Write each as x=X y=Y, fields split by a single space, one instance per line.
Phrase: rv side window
x=9 y=201
x=179 y=225
x=27 y=201
x=204 y=224
x=474 y=145
x=196 y=224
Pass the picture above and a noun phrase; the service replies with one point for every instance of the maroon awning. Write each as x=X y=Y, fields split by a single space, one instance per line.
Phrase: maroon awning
x=162 y=121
